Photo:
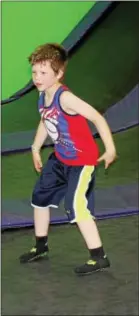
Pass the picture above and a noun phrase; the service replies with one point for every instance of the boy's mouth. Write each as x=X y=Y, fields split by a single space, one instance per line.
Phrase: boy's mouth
x=38 y=84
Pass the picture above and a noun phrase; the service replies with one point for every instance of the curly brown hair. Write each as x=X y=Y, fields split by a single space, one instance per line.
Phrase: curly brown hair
x=53 y=52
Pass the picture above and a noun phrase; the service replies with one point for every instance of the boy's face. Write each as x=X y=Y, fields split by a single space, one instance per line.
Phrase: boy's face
x=43 y=76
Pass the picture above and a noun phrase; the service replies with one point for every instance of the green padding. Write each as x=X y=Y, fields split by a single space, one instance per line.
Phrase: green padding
x=26 y=25
x=102 y=71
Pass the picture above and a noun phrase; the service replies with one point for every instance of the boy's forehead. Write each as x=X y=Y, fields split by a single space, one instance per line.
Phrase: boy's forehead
x=42 y=65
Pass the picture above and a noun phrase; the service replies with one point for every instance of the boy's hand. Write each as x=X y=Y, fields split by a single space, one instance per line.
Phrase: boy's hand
x=37 y=161
x=108 y=157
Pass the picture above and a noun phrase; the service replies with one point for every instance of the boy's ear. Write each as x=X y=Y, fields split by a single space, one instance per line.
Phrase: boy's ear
x=60 y=74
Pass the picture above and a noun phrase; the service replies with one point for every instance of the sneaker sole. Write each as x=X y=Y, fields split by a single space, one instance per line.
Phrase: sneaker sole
x=36 y=258
x=91 y=272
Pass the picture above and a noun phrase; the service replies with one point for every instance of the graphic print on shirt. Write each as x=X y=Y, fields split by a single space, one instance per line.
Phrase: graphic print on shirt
x=50 y=118
x=57 y=128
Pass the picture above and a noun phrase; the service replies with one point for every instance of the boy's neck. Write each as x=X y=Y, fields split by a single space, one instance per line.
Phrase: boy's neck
x=51 y=91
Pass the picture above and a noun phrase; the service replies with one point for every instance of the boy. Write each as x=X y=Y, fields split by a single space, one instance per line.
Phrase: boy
x=70 y=170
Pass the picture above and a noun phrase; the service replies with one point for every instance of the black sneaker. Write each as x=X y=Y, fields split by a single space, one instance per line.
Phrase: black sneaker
x=93 y=266
x=34 y=255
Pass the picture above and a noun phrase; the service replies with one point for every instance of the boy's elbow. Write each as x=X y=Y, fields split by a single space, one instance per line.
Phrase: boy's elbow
x=98 y=119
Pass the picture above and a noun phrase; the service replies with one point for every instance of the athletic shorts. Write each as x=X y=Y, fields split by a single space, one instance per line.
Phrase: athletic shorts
x=74 y=184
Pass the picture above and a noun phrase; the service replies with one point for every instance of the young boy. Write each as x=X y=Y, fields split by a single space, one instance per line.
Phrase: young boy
x=70 y=170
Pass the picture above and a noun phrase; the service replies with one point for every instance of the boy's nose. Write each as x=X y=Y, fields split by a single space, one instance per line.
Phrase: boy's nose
x=37 y=78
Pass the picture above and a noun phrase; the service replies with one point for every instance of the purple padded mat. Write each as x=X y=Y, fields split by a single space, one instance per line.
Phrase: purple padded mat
x=109 y=203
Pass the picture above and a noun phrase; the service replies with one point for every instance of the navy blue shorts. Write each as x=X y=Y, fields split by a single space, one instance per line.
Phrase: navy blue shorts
x=73 y=183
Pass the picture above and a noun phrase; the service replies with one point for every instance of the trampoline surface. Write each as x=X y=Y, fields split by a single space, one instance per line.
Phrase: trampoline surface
x=50 y=287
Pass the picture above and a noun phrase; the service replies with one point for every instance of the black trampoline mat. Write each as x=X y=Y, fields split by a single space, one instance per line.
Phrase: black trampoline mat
x=50 y=287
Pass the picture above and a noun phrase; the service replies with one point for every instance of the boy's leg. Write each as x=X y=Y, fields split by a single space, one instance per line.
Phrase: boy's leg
x=41 y=221
x=88 y=228
x=48 y=191
x=41 y=226
x=98 y=259
x=80 y=206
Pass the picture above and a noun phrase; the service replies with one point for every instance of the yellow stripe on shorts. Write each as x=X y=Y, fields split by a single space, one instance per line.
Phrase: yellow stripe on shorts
x=80 y=201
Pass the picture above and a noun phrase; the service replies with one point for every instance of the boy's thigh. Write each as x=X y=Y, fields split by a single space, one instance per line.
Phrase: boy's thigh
x=51 y=186
x=79 y=199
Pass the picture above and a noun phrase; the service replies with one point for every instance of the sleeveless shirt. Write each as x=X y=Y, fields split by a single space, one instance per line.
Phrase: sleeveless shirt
x=73 y=140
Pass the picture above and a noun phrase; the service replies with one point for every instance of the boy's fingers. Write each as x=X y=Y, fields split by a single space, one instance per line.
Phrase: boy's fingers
x=38 y=166
x=101 y=158
x=106 y=165
x=38 y=169
x=38 y=163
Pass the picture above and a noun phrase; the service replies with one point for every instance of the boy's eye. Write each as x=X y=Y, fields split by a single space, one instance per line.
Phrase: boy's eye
x=43 y=72
x=33 y=71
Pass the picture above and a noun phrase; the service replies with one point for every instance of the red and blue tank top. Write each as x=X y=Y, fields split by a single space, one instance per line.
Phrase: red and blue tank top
x=73 y=141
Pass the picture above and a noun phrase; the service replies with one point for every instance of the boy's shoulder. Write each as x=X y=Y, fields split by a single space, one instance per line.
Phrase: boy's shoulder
x=65 y=101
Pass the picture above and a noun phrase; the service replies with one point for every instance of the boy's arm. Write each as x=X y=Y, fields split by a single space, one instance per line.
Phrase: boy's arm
x=40 y=137
x=70 y=102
